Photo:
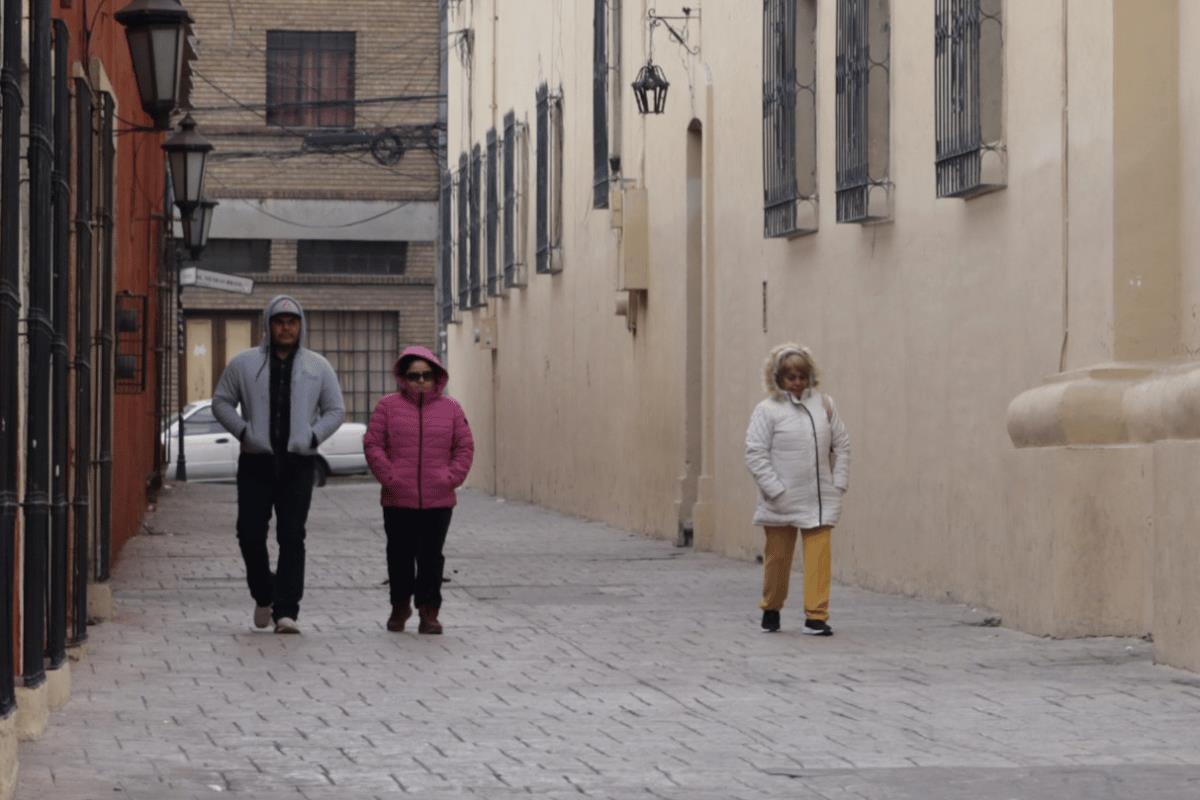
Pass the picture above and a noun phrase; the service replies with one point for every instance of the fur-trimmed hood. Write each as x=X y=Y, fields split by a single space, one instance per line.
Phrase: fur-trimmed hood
x=771 y=367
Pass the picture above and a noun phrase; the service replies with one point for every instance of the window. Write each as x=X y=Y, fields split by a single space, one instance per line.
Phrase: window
x=515 y=221
x=549 y=181
x=492 y=212
x=351 y=258
x=310 y=79
x=202 y=422
x=130 y=326
x=863 y=51
x=361 y=347
x=789 y=117
x=446 y=247
x=236 y=255
x=600 y=104
x=969 y=73
x=473 y=201
x=464 y=232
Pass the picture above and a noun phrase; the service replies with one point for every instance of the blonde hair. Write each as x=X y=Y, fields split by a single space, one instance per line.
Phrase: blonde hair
x=779 y=358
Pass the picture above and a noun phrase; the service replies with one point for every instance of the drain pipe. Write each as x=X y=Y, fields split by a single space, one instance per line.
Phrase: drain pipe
x=57 y=627
x=80 y=501
x=10 y=311
x=40 y=335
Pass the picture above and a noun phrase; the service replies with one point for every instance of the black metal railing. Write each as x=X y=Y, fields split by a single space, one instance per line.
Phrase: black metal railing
x=543 y=178
x=80 y=501
x=491 y=202
x=56 y=629
x=476 y=186
x=784 y=89
x=132 y=338
x=464 y=232
x=513 y=234
x=10 y=313
x=958 y=128
x=852 y=70
x=446 y=247
x=600 y=104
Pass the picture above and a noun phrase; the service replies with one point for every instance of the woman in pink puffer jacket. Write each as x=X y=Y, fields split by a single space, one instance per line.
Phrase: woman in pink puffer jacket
x=419 y=447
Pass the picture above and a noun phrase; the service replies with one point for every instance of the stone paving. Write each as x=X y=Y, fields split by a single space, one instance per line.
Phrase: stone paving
x=580 y=661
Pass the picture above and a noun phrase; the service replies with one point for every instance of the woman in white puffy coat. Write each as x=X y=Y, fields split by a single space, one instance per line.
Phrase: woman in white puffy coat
x=798 y=451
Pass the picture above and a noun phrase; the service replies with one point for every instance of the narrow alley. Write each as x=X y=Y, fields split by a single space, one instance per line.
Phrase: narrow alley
x=580 y=661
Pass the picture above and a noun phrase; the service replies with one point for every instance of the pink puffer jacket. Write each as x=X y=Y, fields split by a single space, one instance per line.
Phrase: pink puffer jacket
x=419 y=444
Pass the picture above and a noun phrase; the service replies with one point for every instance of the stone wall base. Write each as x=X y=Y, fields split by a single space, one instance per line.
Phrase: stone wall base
x=8 y=757
x=58 y=686
x=33 y=711
x=101 y=606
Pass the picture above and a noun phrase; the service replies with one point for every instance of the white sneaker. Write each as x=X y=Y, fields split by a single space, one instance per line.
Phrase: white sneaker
x=286 y=625
x=262 y=616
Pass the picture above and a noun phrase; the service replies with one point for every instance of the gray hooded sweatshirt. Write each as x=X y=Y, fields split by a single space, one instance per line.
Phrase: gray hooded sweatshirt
x=317 y=407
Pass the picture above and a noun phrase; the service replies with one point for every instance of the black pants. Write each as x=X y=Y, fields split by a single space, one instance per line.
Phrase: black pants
x=415 y=537
x=283 y=483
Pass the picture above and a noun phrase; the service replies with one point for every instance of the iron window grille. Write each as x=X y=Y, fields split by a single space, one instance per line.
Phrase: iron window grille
x=789 y=117
x=476 y=186
x=339 y=257
x=362 y=347
x=549 y=181
x=464 y=232
x=600 y=104
x=310 y=79
x=514 y=220
x=495 y=284
x=969 y=69
x=862 y=70
x=446 y=247
x=239 y=256
x=130 y=326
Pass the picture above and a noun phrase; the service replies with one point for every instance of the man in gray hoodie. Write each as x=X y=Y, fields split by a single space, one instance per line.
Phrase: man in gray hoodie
x=290 y=402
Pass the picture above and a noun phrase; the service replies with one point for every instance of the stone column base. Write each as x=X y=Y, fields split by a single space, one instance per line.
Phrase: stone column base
x=8 y=757
x=100 y=604
x=33 y=711
x=58 y=686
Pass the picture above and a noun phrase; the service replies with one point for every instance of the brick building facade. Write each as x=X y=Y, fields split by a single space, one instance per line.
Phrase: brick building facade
x=325 y=117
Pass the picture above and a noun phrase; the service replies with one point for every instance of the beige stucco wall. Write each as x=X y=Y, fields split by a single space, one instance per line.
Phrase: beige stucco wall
x=1003 y=446
x=587 y=418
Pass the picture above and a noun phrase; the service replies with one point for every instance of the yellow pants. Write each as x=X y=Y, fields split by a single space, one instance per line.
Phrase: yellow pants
x=777 y=569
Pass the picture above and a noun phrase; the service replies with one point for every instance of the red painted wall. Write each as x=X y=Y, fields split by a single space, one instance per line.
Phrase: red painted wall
x=137 y=230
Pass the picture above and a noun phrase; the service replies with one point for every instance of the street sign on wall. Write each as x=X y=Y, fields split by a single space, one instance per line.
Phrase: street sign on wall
x=194 y=276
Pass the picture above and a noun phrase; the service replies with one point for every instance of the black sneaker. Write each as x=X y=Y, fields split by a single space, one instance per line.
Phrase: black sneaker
x=770 y=621
x=817 y=627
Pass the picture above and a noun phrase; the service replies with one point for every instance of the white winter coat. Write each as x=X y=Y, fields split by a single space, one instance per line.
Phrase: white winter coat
x=799 y=456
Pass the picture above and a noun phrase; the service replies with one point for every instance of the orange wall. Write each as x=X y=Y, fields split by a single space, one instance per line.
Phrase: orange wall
x=138 y=193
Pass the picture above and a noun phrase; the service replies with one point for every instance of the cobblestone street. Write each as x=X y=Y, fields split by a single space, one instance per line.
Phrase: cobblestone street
x=580 y=661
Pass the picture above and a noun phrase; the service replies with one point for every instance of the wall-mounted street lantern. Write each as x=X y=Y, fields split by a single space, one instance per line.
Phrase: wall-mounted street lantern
x=197 y=220
x=651 y=85
x=187 y=151
x=157 y=33
x=196 y=224
x=650 y=89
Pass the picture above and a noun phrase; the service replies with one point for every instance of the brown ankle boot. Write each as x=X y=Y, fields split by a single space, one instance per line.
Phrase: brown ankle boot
x=400 y=615
x=429 y=620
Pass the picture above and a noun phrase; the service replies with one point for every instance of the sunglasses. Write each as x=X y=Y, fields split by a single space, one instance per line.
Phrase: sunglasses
x=419 y=377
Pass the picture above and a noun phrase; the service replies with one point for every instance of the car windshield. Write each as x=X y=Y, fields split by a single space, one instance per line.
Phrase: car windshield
x=174 y=417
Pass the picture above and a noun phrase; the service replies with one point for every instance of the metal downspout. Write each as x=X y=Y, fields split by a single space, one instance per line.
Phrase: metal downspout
x=61 y=181
x=84 y=115
x=104 y=534
x=40 y=333
x=10 y=309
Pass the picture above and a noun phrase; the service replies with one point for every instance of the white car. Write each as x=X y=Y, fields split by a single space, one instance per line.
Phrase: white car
x=211 y=452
